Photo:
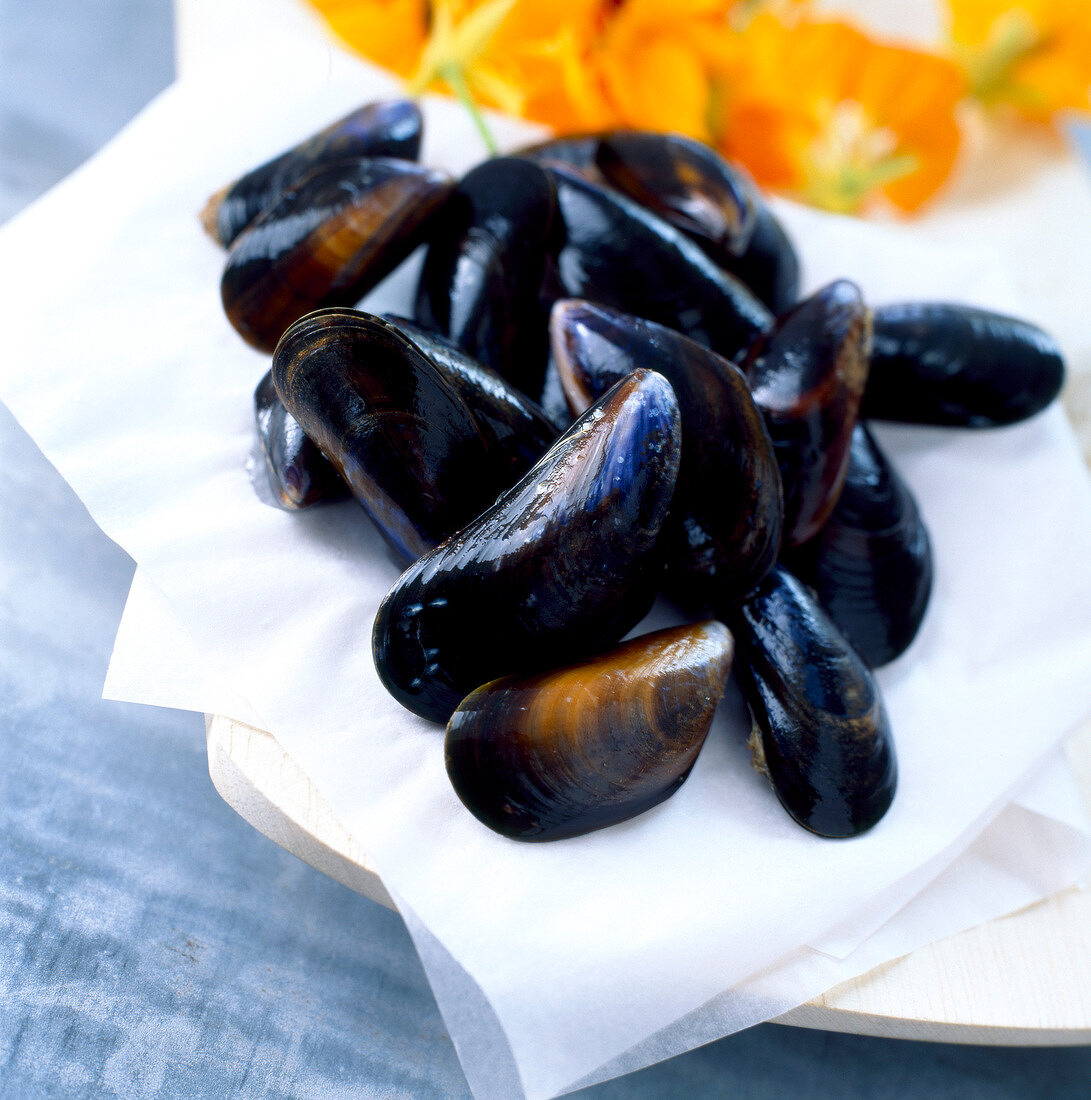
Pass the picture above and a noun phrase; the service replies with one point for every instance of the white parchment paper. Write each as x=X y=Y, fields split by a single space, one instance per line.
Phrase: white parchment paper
x=121 y=366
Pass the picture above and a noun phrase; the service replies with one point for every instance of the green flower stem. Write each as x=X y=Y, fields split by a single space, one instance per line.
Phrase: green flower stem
x=455 y=79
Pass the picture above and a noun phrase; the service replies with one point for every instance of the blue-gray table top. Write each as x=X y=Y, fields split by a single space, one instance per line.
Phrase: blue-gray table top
x=151 y=943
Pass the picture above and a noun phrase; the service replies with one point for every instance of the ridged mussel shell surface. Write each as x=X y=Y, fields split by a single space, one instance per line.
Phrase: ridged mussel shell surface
x=726 y=519
x=479 y=283
x=407 y=445
x=387 y=129
x=562 y=565
x=562 y=753
x=807 y=377
x=942 y=363
x=299 y=474
x=619 y=254
x=521 y=431
x=821 y=731
x=871 y=564
x=330 y=238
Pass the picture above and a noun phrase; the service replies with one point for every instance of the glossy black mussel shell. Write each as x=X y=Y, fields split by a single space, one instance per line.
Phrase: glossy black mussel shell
x=386 y=129
x=807 y=377
x=706 y=197
x=871 y=564
x=619 y=254
x=517 y=428
x=409 y=448
x=299 y=473
x=821 y=733
x=562 y=565
x=726 y=519
x=330 y=238
x=560 y=753
x=479 y=283
x=942 y=363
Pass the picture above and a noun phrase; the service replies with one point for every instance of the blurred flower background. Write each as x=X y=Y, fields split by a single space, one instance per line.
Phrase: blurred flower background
x=817 y=108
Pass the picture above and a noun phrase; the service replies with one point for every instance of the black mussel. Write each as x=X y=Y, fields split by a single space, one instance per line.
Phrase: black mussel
x=299 y=473
x=387 y=129
x=481 y=274
x=562 y=565
x=770 y=264
x=871 y=564
x=807 y=376
x=726 y=518
x=698 y=192
x=686 y=183
x=560 y=753
x=941 y=363
x=821 y=733
x=409 y=448
x=330 y=238
x=521 y=430
x=619 y=254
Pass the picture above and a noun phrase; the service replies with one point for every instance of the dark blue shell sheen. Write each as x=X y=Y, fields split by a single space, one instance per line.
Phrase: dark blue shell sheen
x=941 y=363
x=386 y=129
x=821 y=731
x=563 y=564
x=726 y=520
x=299 y=474
x=871 y=564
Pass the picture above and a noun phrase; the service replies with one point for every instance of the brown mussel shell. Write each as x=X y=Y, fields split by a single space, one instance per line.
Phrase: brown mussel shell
x=563 y=564
x=942 y=363
x=726 y=519
x=409 y=448
x=299 y=474
x=620 y=255
x=821 y=733
x=562 y=753
x=871 y=564
x=517 y=428
x=807 y=376
x=329 y=239
x=387 y=129
x=479 y=283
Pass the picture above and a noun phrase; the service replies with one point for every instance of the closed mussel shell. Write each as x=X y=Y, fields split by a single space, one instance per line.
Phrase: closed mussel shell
x=386 y=129
x=821 y=733
x=726 y=519
x=807 y=377
x=410 y=450
x=871 y=564
x=563 y=564
x=942 y=363
x=770 y=265
x=565 y=752
x=299 y=474
x=685 y=182
x=330 y=238
x=479 y=284
x=619 y=254
x=520 y=431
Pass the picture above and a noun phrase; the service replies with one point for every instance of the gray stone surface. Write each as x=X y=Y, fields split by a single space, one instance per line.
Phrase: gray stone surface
x=151 y=943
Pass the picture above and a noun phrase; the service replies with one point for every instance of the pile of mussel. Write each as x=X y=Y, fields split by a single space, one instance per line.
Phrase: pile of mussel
x=609 y=390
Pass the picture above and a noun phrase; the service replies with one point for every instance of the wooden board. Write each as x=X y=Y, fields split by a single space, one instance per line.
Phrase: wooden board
x=1021 y=980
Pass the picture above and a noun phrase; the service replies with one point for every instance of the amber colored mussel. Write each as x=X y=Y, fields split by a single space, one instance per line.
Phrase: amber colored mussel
x=561 y=753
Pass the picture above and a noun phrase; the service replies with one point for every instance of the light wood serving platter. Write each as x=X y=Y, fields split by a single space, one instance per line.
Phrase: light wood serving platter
x=1021 y=980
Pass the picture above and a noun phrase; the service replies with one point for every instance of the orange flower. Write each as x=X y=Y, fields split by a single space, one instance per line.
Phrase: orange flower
x=821 y=111
x=391 y=33
x=1030 y=55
